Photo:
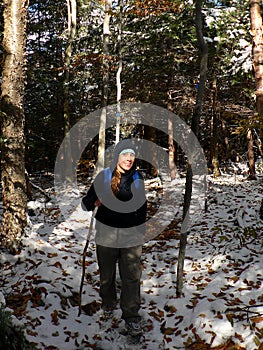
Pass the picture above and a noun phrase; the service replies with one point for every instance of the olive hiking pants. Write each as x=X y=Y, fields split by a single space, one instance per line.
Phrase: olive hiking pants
x=129 y=264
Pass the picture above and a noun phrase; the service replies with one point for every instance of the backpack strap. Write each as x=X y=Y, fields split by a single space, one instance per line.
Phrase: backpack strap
x=136 y=176
x=107 y=178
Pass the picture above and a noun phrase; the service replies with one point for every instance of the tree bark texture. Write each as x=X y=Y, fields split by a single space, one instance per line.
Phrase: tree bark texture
x=203 y=51
x=250 y=154
x=257 y=51
x=12 y=120
x=214 y=135
x=119 y=71
x=150 y=135
x=171 y=147
x=105 y=89
x=72 y=24
x=257 y=41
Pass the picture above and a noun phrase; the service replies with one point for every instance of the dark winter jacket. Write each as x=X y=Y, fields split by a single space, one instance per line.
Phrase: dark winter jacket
x=131 y=189
x=107 y=215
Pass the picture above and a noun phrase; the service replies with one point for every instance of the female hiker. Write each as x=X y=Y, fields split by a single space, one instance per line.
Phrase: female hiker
x=119 y=193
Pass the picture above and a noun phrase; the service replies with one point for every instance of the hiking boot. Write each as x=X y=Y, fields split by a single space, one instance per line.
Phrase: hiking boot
x=134 y=329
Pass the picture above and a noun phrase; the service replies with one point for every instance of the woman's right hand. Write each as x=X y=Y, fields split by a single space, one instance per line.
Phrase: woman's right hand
x=97 y=203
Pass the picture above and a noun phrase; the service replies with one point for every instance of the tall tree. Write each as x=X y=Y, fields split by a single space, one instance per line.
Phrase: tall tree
x=171 y=147
x=119 y=70
x=72 y=24
x=257 y=37
x=12 y=120
x=105 y=89
x=71 y=33
x=203 y=52
x=257 y=50
x=214 y=132
x=44 y=97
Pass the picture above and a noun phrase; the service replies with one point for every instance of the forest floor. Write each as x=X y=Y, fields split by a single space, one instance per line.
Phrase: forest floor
x=222 y=303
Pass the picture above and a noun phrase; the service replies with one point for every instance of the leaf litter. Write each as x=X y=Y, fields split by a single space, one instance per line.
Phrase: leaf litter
x=222 y=304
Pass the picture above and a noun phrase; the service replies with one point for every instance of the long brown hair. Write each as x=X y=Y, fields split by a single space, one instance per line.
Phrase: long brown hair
x=116 y=180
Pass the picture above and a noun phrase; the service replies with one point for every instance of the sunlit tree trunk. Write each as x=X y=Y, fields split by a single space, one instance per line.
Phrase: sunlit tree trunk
x=257 y=37
x=257 y=44
x=171 y=147
x=12 y=120
x=214 y=134
x=72 y=24
x=250 y=154
x=105 y=91
x=119 y=71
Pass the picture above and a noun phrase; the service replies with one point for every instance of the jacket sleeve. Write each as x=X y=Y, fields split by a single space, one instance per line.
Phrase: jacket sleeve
x=142 y=211
x=88 y=201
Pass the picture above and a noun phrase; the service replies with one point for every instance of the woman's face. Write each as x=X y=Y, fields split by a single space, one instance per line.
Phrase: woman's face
x=126 y=160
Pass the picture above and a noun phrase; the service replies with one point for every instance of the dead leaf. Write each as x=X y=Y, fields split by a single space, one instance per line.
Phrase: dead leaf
x=169 y=331
x=219 y=315
x=230 y=318
x=55 y=334
x=31 y=333
x=41 y=252
x=52 y=255
x=170 y=309
x=161 y=313
x=257 y=319
x=54 y=317
x=234 y=279
x=167 y=339
x=239 y=337
x=180 y=319
x=91 y=308
x=57 y=264
x=155 y=316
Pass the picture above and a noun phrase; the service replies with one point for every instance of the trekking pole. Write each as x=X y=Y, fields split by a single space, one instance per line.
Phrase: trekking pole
x=84 y=255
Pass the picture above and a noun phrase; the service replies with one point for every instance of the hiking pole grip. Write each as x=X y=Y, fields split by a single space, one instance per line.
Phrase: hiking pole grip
x=84 y=255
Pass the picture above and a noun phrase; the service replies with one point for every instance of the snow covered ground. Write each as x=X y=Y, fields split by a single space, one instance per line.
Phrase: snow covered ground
x=223 y=289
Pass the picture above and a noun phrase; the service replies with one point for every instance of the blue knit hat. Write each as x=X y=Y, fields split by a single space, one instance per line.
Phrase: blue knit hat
x=127 y=150
x=124 y=145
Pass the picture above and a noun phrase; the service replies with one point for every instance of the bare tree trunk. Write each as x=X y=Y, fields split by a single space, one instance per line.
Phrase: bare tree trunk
x=203 y=52
x=257 y=35
x=226 y=140
x=250 y=153
x=195 y=128
x=72 y=24
x=105 y=92
x=12 y=120
x=260 y=137
x=214 y=135
x=118 y=75
x=261 y=210
x=171 y=148
x=150 y=134
x=184 y=231
x=257 y=41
